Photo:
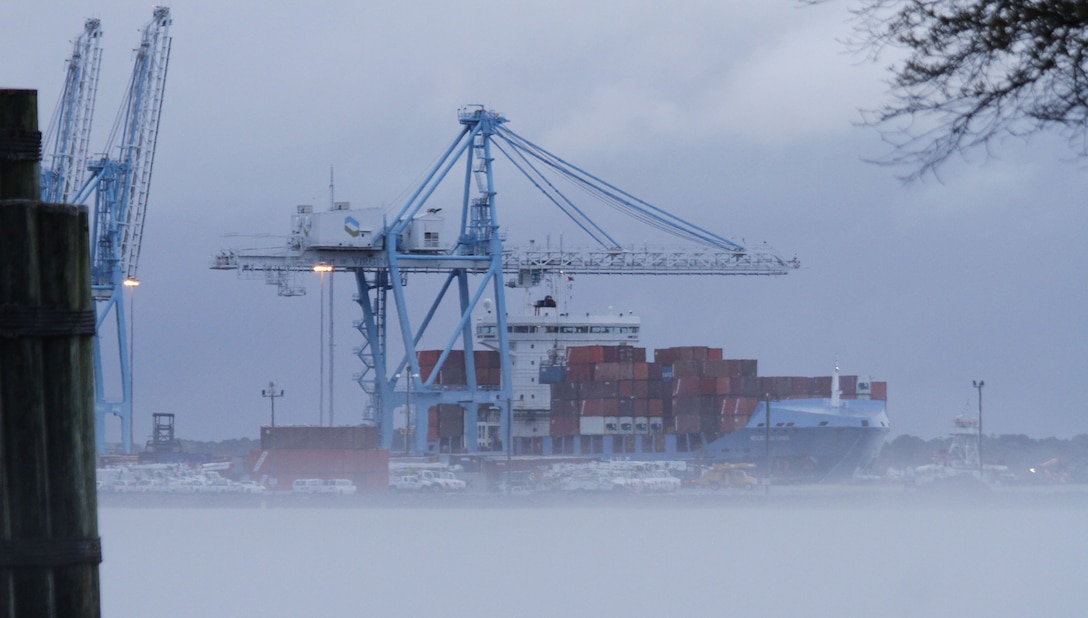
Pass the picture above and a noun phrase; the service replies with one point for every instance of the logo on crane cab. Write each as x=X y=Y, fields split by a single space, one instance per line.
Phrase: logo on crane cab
x=351 y=226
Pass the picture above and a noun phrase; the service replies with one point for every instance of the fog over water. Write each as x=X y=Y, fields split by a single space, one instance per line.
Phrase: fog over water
x=909 y=555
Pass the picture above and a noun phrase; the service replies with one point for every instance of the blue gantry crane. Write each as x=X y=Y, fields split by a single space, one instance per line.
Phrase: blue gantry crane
x=120 y=180
x=382 y=249
x=68 y=135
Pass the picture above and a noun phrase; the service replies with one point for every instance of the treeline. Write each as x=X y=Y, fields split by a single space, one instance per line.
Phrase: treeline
x=1017 y=452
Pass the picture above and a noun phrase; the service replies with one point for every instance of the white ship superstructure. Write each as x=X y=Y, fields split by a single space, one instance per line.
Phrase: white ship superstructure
x=539 y=338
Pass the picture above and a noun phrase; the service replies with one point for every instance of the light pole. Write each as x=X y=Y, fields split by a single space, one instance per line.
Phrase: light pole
x=272 y=392
x=767 y=443
x=131 y=284
x=979 y=384
x=321 y=269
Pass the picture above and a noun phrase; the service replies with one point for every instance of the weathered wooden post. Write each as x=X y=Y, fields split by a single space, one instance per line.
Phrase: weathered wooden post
x=49 y=545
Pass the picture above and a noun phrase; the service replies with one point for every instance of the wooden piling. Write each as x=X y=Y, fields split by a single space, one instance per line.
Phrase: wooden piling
x=49 y=545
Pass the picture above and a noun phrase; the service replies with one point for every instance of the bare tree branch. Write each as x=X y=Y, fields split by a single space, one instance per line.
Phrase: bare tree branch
x=974 y=71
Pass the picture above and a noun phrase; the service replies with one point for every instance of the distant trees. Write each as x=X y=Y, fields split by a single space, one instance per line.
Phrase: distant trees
x=974 y=71
x=1017 y=451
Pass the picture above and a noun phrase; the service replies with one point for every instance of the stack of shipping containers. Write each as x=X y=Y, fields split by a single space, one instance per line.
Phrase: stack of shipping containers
x=446 y=422
x=305 y=452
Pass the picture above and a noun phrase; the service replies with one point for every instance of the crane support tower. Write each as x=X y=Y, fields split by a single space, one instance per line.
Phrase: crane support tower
x=382 y=249
x=120 y=181
x=69 y=132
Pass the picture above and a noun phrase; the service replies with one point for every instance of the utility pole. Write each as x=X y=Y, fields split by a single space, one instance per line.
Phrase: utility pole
x=272 y=392
x=978 y=384
x=767 y=443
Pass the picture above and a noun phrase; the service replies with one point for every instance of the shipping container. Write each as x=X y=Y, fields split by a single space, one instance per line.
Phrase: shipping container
x=687 y=423
x=600 y=390
x=684 y=387
x=600 y=407
x=564 y=426
x=654 y=407
x=686 y=405
x=318 y=437
x=531 y=428
x=591 y=425
x=611 y=424
x=565 y=408
x=588 y=354
x=880 y=391
x=580 y=373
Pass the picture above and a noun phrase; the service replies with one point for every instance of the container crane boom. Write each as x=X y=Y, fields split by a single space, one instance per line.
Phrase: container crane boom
x=69 y=131
x=382 y=249
x=120 y=185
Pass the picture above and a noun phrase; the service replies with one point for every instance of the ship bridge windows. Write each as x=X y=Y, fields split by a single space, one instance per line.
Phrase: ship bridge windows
x=823 y=423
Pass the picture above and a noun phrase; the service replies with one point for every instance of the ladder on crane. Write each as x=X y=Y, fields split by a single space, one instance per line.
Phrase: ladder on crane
x=383 y=249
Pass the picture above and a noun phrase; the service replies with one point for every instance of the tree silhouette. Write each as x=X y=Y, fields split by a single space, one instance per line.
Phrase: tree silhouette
x=966 y=73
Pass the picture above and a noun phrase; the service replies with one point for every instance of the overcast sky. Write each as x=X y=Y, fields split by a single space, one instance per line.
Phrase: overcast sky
x=739 y=116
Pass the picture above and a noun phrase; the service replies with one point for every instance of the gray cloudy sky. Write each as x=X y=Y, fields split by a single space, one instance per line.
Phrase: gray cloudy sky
x=736 y=115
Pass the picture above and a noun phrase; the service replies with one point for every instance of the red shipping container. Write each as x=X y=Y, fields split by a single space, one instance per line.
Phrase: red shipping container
x=653 y=371
x=683 y=387
x=688 y=423
x=634 y=388
x=580 y=373
x=451 y=421
x=428 y=357
x=724 y=386
x=821 y=386
x=565 y=390
x=716 y=368
x=606 y=371
x=565 y=407
x=564 y=426
x=432 y=424
x=588 y=354
x=654 y=407
x=600 y=407
x=488 y=359
x=708 y=386
x=687 y=369
x=879 y=391
x=848 y=385
x=748 y=368
x=686 y=405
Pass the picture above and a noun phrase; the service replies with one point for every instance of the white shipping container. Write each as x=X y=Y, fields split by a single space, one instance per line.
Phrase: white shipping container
x=591 y=425
x=531 y=429
x=611 y=424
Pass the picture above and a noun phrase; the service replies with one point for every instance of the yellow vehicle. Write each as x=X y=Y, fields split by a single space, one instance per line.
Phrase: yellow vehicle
x=727 y=475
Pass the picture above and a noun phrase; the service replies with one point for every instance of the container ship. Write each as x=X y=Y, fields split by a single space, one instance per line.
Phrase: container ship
x=584 y=388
